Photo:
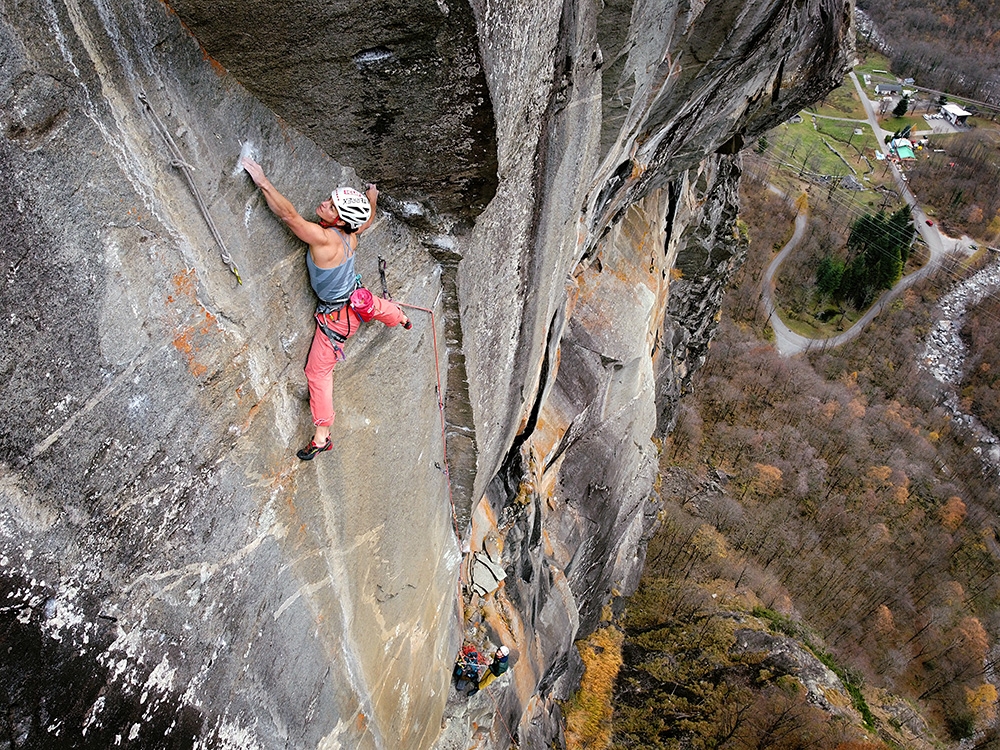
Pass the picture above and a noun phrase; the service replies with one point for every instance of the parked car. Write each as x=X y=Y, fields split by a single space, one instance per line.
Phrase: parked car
x=930 y=223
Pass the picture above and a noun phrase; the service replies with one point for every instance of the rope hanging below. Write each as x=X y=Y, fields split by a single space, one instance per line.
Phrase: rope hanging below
x=186 y=169
x=440 y=393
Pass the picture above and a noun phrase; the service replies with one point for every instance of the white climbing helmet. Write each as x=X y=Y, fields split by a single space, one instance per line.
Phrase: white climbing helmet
x=352 y=206
x=503 y=651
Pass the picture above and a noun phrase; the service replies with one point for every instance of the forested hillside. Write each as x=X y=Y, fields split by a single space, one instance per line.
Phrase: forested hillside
x=961 y=183
x=981 y=389
x=826 y=498
x=949 y=45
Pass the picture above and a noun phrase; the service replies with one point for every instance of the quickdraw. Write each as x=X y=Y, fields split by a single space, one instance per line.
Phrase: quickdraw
x=186 y=170
x=381 y=273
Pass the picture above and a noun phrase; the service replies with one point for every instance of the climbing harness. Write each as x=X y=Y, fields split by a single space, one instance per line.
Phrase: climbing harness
x=470 y=664
x=469 y=667
x=336 y=339
x=325 y=308
x=186 y=170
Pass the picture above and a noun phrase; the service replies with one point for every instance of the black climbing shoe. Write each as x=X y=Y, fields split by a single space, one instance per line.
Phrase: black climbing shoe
x=310 y=451
x=408 y=324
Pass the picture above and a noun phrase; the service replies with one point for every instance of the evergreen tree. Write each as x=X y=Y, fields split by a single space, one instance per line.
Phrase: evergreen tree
x=829 y=275
x=901 y=106
x=901 y=228
x=880 y=246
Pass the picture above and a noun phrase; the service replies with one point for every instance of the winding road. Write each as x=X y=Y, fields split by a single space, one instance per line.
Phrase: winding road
x=787 y=341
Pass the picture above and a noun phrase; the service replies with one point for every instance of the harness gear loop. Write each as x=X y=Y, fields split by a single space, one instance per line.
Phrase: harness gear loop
x=186 y=169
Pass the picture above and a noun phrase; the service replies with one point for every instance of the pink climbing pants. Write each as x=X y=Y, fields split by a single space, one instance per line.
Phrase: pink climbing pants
x=323 y=356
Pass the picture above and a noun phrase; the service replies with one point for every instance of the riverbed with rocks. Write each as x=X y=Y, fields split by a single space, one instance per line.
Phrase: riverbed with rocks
x=945 y=353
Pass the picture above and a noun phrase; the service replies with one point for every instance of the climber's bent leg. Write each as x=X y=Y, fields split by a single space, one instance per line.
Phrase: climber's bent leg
x=388 y=312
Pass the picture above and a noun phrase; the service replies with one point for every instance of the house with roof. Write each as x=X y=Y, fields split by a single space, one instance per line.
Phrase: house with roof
x=888 y=88
x=954 y=114
x=902 y=148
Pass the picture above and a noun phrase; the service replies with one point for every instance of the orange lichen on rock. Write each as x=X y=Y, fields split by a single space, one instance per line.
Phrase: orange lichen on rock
x=199 y=323
x=182 y=343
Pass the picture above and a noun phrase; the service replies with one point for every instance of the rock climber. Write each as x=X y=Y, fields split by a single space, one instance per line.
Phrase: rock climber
x=330 y=260
x=497 y=667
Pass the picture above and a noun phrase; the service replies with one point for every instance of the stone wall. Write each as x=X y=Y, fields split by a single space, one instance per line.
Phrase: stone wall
x=560 y=187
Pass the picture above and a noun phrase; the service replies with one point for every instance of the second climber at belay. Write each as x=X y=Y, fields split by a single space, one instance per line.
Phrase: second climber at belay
x=343 y=305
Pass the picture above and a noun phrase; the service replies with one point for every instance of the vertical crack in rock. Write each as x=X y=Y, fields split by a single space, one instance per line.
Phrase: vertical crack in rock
x=460 y=426
x=507 y=482
x=611 y=190
x=671 y=215
x=776 y=88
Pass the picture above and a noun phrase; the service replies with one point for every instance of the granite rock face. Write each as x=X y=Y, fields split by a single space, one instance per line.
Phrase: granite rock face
x=560 y=184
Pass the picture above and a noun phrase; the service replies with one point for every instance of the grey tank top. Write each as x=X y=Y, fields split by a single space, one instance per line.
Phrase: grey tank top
x=333 y=284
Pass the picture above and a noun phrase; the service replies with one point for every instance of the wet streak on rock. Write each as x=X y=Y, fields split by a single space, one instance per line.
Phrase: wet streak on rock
x=613 y=25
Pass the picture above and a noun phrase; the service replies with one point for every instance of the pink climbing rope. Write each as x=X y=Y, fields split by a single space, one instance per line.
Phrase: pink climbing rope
x=440 y=397
x=503 y=721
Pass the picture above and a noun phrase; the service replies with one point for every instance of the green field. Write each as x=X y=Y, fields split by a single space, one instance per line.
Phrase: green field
x=843 y=101
x=807 y=324
x=896 y=124
x=844 y=133
x=874 y=61
x=800 y=147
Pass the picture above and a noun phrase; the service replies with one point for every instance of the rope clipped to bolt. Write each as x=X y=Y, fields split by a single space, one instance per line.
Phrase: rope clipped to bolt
x=186 y=169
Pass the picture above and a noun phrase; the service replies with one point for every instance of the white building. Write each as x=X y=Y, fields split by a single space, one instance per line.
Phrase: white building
x=954 y=114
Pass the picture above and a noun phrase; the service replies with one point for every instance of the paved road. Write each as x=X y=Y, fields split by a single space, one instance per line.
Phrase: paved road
x=787 y=341
x=930 y=234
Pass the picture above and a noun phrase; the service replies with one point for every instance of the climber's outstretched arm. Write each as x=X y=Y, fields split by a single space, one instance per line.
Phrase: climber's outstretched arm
x=371 y=193
x=307 y=231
